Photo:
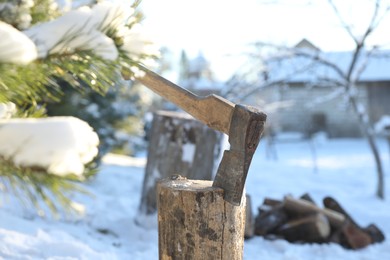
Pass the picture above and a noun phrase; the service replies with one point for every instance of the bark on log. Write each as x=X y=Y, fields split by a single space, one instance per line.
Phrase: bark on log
x=331 y=203
x=312 y=228
x=308 y=198
x=195 y=222
x=375 y=233
x=178 y=145
x=272 y=202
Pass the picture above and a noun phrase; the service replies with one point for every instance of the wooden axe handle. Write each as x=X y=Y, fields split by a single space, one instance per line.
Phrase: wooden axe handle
x=214 y=111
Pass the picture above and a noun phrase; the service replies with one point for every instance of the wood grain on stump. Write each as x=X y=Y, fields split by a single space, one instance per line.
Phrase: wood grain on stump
x=196 y=223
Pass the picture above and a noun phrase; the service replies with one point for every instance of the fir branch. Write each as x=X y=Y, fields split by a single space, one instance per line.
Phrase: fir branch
x=43 y=10
x=38 y=81
x=33 y=186
x=26 y=84
x=85 y=69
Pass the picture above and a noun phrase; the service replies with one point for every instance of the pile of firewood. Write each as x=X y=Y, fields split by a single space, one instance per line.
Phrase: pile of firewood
x=302 y=221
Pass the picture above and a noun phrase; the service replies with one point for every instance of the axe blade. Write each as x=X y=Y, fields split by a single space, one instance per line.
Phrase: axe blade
x=246 y=128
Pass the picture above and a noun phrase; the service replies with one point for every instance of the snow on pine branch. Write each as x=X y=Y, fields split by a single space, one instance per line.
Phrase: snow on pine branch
x=59 y=145
x=103 y=29
x=137 y=43
x=81 y=29
x=15 y=46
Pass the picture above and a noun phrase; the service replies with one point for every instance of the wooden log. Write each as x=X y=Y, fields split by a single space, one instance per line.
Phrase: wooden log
x=355 y=235
x=195 y=222
x=178 y=145
x=267 y=221
x=372 y=230
x=297 y=207
x=331 y=203
x=249 y=221
x=307 y=197
x=375 y=233
x=312 y=228
x=271 y=202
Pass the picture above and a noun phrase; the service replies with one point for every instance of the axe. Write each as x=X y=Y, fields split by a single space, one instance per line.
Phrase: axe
x=243 y=124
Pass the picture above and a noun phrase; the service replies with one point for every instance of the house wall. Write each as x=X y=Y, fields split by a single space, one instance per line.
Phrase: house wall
x=309 y=109
x=378 y=100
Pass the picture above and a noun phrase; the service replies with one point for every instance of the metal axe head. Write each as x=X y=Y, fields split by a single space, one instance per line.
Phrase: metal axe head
x=246 y=128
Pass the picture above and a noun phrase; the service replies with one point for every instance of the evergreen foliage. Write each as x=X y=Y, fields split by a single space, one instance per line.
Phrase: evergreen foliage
x=82 y=81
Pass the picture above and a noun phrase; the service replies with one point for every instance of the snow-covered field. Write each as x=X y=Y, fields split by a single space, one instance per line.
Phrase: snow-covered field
x=345 y=170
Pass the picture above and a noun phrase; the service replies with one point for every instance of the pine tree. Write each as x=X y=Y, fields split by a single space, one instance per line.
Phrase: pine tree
x=49 y=55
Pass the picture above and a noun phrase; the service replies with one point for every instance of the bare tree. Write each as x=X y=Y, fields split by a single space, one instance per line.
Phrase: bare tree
x=345 y=78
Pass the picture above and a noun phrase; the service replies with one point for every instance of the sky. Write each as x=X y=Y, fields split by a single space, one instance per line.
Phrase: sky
x=223 y=29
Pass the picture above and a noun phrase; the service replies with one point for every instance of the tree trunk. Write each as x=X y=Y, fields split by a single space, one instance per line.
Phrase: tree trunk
x=369 y=134
x=195 y=222
x=178 y=145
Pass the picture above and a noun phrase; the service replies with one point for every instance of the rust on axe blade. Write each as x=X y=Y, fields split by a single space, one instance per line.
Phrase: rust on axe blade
x=246 y=128
x=243 y=124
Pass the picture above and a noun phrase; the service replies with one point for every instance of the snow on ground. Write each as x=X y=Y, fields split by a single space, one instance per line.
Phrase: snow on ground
x=345 y=170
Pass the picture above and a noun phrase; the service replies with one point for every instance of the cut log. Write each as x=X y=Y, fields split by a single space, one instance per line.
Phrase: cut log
x=307 y=197
x=249 y=221
x=195 y=222
x=331 y=203
x=272 y=202
x=299 y=208
x=267 y=221
x=312 y=228
x=178 y=145
x=372 y=230
x=354 y=237
x=375 y=233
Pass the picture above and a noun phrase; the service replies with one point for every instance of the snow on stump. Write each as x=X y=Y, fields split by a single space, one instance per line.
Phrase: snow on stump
x=195 y=222
x=181 y=145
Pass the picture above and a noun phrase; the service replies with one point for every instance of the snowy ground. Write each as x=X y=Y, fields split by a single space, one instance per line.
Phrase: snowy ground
x=107 y=231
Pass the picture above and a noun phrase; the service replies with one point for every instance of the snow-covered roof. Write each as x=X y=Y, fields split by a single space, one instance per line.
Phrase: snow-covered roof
x=304 y=69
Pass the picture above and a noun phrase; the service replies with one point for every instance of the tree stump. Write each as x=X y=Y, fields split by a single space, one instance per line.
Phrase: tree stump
x=181 y=145
x=249 y=220
x=194 y=222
